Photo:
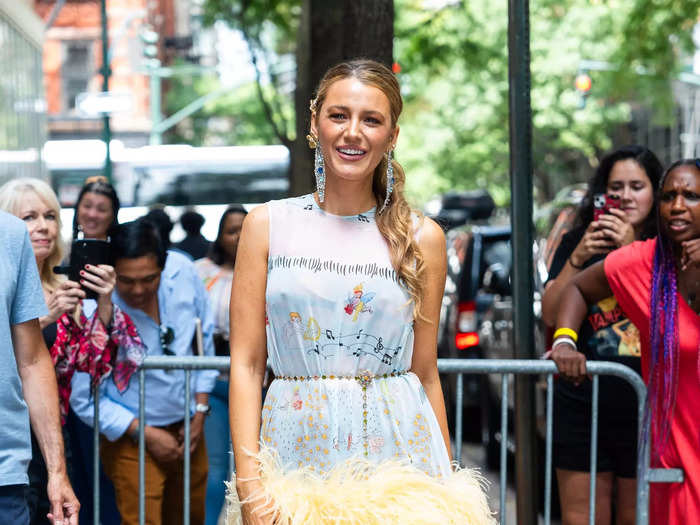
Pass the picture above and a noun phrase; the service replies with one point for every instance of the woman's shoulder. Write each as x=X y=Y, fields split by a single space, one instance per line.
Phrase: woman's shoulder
x=574 y=235
x=641 y=250
x=428 y=233
x=304 y=202
x=638 y=255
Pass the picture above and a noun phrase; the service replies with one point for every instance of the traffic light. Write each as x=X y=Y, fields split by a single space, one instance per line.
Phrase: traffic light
x=583 y=86
x=149 y=41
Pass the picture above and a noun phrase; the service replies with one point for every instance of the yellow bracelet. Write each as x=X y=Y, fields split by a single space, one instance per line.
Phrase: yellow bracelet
x=566 y=331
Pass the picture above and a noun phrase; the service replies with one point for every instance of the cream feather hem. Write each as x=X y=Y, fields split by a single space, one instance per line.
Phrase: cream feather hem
x=358 y=491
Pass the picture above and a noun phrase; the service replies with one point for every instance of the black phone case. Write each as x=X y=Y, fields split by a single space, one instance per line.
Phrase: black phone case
x=86 y=251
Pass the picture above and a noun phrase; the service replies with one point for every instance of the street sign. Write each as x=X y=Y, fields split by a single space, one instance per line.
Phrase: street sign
x=104 y=102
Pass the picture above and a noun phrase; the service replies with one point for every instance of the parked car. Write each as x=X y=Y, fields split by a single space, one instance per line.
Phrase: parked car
x=477 y=322
x=457 y=208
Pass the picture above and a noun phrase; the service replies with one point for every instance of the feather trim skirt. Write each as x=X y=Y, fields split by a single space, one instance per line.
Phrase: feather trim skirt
x=358 y=491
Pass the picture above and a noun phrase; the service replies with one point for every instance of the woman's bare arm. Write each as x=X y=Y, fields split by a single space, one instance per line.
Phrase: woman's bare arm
x=248 y=342
x=424 y=363
x=587 y=288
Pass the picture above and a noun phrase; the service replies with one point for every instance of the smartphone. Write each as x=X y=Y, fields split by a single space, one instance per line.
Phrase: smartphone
x=603 y=203
x=86 y=251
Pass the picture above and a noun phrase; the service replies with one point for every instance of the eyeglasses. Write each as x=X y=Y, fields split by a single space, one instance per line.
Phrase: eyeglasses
x=167 y=335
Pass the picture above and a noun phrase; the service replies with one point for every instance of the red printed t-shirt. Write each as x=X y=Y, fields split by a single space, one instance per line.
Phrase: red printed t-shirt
x=628 y=271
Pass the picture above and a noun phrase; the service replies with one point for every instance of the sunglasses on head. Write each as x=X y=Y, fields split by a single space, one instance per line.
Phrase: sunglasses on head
x=167 y=335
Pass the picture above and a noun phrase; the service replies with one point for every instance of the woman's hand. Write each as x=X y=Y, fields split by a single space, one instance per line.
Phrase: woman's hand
x=690 y=254
x=616 y=227
x=100 y=279
x=63 y=299
x=257 y=511
x=594 y=242
x=570 y=362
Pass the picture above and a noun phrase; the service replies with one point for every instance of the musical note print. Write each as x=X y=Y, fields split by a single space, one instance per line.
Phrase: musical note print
x=358 y=343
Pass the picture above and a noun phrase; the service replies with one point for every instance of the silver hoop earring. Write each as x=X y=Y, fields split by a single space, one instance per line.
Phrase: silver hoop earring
x=389 y=180
x=320 y=173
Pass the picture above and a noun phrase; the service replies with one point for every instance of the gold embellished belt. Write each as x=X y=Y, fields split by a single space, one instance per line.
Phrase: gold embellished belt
x=364 y=379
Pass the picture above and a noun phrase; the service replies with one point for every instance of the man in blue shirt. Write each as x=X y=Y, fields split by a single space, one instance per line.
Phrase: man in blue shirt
x=27 y=381
x=163 y=295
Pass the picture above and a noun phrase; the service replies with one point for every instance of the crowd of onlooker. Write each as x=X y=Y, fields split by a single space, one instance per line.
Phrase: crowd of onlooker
x=140 y=297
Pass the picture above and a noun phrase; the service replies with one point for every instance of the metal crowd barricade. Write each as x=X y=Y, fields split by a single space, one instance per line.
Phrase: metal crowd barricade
x=505 y=367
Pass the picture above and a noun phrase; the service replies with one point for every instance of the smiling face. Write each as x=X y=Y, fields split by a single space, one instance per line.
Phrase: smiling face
x=95 y=215
x=42 y=223
x=679 y=204
x=354 y=128
x=629 y=181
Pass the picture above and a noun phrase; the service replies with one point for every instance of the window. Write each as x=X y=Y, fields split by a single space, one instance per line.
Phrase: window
x=76 y=71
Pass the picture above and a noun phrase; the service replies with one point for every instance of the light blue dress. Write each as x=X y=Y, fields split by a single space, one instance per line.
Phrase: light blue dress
x=340 y=341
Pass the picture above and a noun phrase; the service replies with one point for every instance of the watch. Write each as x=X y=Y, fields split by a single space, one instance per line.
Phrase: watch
x=202 y=408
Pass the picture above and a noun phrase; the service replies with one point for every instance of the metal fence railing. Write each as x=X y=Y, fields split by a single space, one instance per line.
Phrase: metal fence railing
x=504 y=367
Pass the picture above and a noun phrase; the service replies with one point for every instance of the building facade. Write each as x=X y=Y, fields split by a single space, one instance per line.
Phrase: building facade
x=22 y=103
x=72 y=61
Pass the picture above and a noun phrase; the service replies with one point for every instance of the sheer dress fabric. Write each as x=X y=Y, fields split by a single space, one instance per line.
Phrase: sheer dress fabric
x=335 y=309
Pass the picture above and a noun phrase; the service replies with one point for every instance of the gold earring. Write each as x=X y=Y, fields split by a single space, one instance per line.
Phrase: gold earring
x=313 y=141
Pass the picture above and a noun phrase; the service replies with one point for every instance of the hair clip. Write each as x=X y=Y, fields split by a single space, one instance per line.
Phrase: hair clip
x=96 y=178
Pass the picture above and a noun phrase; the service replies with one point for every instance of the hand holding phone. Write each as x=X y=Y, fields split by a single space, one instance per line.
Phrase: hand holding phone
x=83 y=252
x=603 y=203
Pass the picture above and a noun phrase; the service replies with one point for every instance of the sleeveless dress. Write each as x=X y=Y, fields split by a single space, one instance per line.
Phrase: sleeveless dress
x=340 y=343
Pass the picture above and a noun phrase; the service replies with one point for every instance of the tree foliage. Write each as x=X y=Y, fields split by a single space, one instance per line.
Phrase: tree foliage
x=234 y=118
x=455 y=81
x=455 y=64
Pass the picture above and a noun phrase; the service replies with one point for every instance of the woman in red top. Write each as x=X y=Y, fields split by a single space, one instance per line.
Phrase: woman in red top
x=657 y=283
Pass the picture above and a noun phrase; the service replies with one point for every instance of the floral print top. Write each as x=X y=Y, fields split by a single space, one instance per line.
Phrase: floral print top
x=340 y=343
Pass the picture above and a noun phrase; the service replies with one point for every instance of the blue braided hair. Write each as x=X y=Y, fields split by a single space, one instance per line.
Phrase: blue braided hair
x=664 y=338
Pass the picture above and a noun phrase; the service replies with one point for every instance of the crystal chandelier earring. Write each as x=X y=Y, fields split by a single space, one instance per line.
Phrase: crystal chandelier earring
x=389 y=179
x=320 y=172
x=319 y=168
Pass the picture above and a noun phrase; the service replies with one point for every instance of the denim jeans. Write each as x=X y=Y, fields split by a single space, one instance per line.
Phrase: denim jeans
x=13 y=505
x=81 y=444
x=217 y=434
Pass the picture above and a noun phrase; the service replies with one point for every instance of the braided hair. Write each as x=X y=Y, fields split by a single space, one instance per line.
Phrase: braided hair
x=664 y=366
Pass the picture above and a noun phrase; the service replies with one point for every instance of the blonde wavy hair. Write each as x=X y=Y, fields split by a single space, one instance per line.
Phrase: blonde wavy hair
x=396 y=221
x=11 y=195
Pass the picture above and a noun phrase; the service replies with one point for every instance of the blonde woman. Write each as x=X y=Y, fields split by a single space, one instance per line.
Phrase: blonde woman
x=74 y=339
x=353 y=428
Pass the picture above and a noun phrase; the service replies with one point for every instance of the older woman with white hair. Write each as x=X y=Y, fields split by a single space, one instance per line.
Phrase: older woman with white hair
x=80 y=335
